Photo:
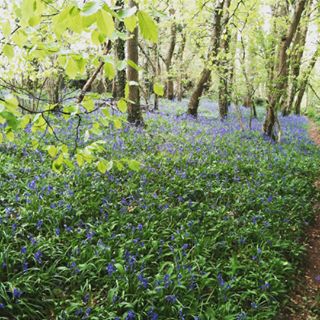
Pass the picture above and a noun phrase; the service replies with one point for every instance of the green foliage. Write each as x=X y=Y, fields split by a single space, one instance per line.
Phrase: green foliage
x=148 y=27
x=209 y=225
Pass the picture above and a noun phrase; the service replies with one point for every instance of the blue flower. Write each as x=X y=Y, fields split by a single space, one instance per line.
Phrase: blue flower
x=16 y=293
x=110 y=269
x=86 y=298
x=32 y=185
x=2 y=305
x=25 y=266
x=23 y=250
x=143 y=281
x=39 y=224
x=241 y=316
x=131 y=315
x=152 y=315
x=38 y=256
x=220 y=280
x=171 y=298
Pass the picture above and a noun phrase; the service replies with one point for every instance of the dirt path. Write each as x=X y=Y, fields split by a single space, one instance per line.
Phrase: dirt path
x=304 y=301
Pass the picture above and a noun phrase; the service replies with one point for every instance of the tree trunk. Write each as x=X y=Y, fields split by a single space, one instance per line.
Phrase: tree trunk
x=224 y=65
x=304 y=82
x=269 y=123
x=168 y=61
x=280 y=79
x=296 y=61
x=134 y=108
x=180 y=62
x=212 y=54
x=197 y=93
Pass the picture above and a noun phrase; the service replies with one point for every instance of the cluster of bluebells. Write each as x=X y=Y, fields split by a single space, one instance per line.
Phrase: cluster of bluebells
x=198 y=225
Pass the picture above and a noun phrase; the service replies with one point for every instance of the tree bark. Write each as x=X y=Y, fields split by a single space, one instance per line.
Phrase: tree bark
x=296 y=58
x=279 y=82
x=180 y=62
x=212 y=54
x=305 y=81
x=168 y=61
x=120 y=80
x=224 y=65
x=134 y=108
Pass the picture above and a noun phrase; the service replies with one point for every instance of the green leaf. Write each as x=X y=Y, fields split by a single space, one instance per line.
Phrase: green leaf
x=109 y=70
x=53 y=151
x=105 y=23
x=120 y=268
x=117 y=123
x=72 y=68
x=88 y=104
x=104 y=166
x=134 y=165
x=1 y=137
x=6 y=28
x=158 y=89
x=91 y=7
x=8 y=51
x=133 y=65
x=12 y=121
x=130 y=23
x=122 y=105
x=10 y=136
x=148 y=27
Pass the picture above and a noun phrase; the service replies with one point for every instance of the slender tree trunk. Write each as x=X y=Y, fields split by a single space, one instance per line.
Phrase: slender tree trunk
x=180 y=62
x=134 y=108
x=197 y=93
x=282 y=69
x=296 y=58
x=212 y=54
x=168 y=61
x=224 y=65
x=305 y=81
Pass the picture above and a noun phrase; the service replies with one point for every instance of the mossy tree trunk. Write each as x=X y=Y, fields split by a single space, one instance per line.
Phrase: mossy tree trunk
x=134 y=108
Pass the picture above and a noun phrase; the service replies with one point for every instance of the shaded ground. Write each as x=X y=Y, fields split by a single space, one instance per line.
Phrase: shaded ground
x=304 y=303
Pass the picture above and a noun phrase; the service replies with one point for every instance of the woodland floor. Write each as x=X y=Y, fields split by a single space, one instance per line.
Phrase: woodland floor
x=304 y=302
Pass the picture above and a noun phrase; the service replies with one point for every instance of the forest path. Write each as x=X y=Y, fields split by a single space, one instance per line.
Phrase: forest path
x=304 y=303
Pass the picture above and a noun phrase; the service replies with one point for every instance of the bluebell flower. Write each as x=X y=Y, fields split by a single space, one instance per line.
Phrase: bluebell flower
x=17 y=293
x=221 y=280
x=23 y=250
x=265 y=286
x=171 y=298
x=131 y=315
x=32 y=185
x=87 y=312
x=2 y=306
x=110 y=269
x=143 y=281
x=167 y=281
x=57 y=231
x=39 y=224
x=78 y=312
x=86 y=298
x=152 y=315
x=25 y=266
x=38 y=256
x=181 y=315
